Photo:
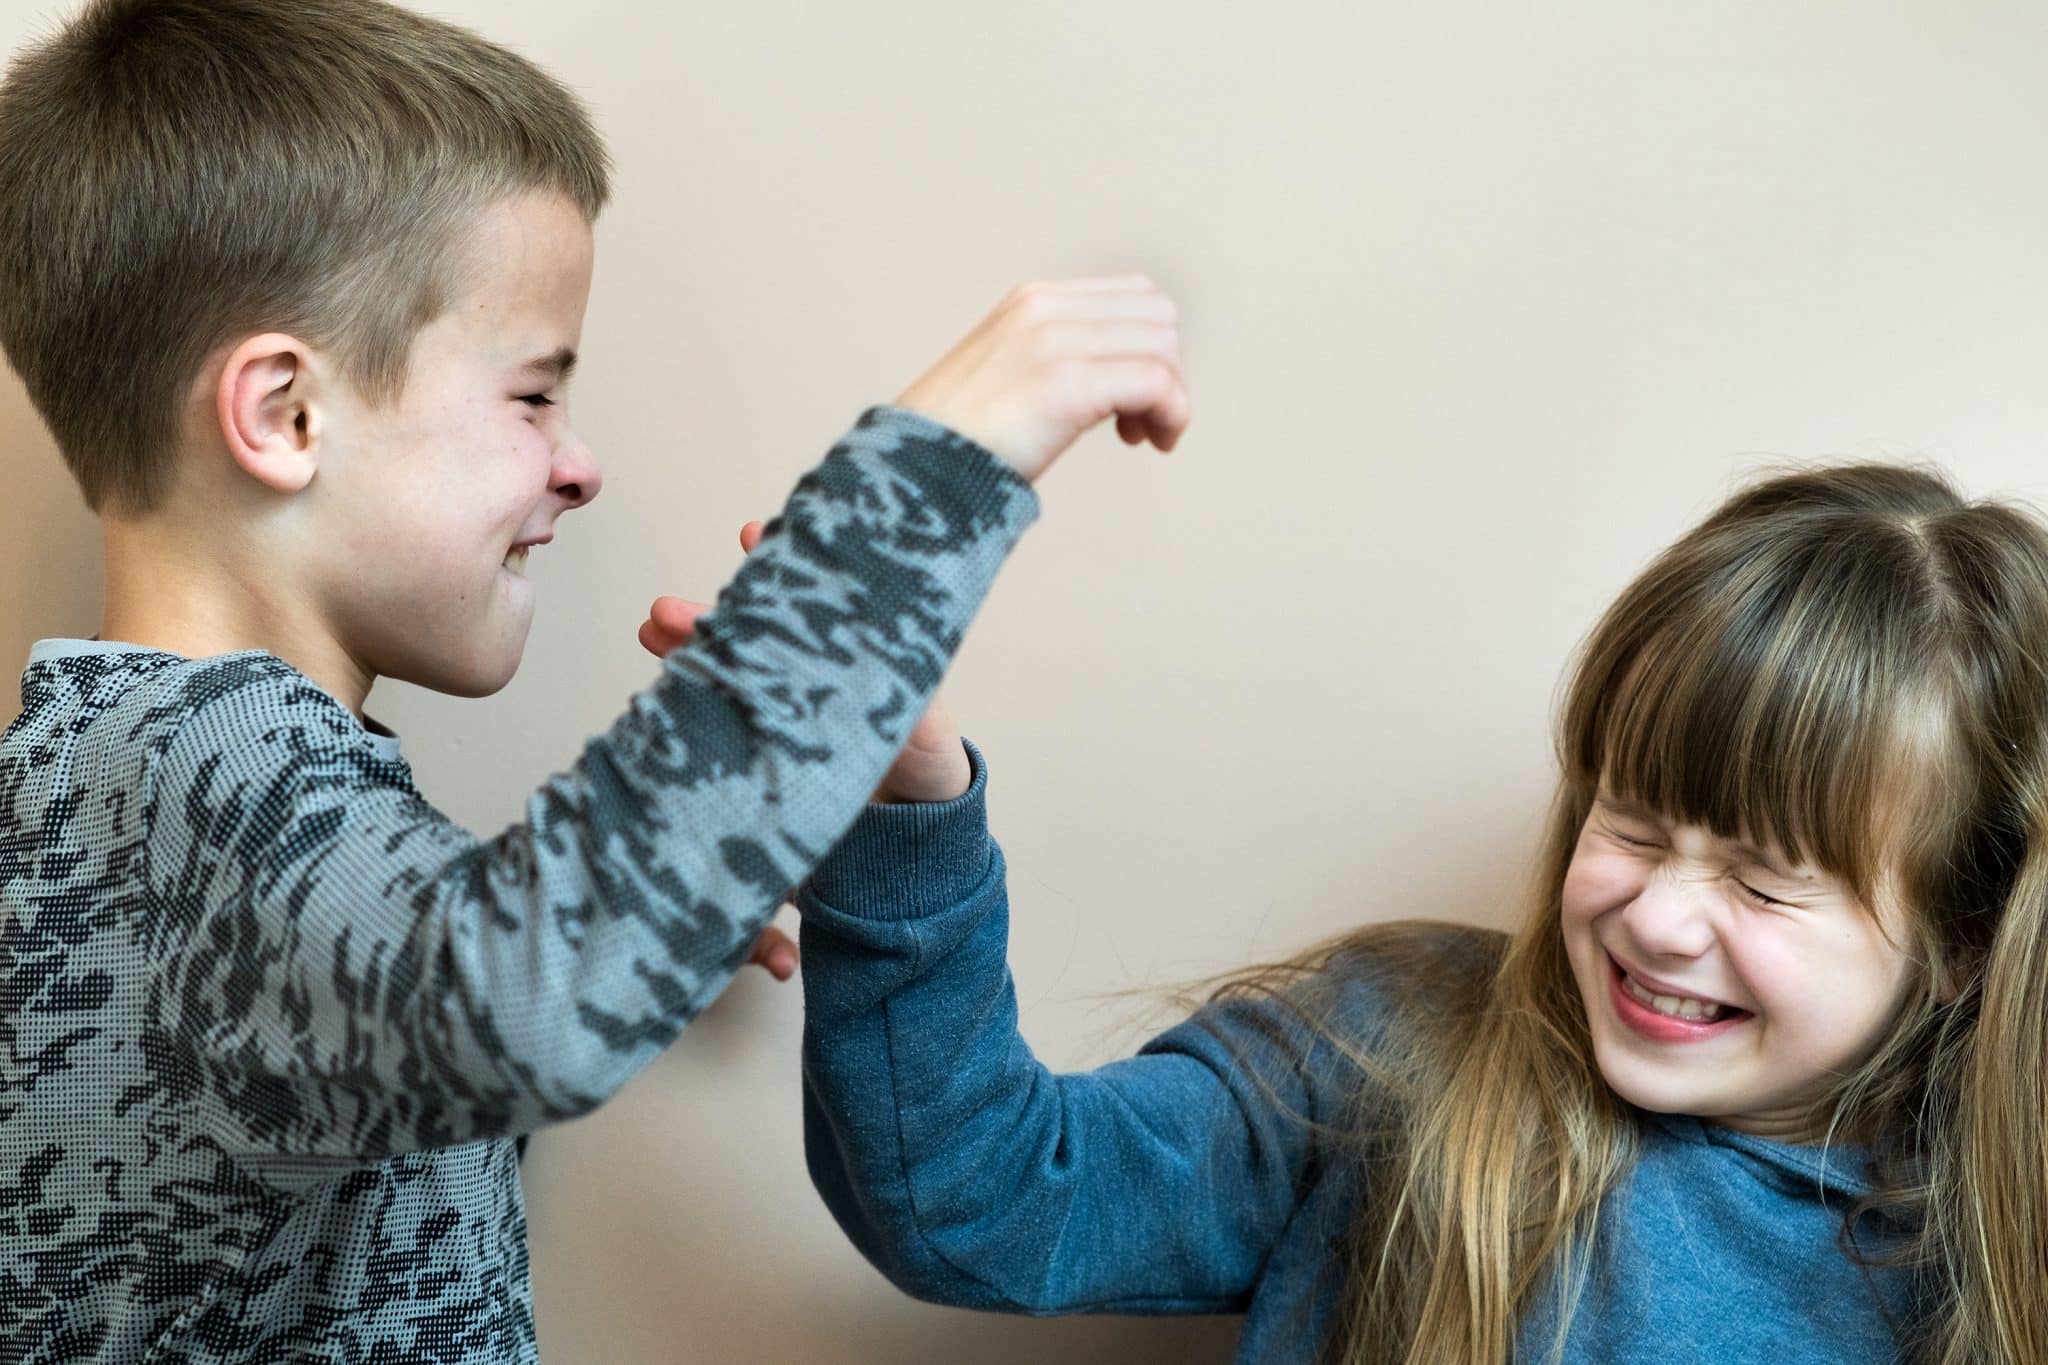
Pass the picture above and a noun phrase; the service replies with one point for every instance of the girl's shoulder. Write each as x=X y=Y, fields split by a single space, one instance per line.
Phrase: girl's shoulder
x=1420 y=973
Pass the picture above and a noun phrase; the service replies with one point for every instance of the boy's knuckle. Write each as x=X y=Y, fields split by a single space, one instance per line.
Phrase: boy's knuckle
x=1064 y=378
x=1032 y=310
x=1027 y=297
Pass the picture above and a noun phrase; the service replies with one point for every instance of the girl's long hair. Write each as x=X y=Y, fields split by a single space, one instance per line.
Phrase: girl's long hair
x=1853 y=664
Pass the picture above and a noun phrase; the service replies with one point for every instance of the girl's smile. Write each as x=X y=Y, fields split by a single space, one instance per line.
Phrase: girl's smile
x=1664 y=1015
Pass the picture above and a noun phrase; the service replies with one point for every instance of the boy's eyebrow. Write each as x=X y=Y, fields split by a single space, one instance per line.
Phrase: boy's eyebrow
x=561 y=362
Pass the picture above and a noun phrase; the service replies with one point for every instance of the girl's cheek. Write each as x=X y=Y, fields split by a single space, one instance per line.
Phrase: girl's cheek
x=1788 y=979
x=1598 y=881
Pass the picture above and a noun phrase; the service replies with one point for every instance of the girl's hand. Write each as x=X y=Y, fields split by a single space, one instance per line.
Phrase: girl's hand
x=774 y=952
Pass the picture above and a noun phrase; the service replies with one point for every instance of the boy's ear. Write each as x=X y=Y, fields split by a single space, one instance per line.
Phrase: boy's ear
x=269 y=412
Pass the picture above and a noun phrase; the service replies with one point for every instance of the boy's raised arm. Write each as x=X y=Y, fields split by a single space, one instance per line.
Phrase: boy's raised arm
x=349 y=972
x=345 y=973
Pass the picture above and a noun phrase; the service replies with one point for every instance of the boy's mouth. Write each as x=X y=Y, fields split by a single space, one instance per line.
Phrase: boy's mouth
x=515 y=559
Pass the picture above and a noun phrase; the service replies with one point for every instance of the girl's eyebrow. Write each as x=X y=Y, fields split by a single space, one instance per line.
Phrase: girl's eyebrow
x=1635 y=810
x=1769 y=864
x=1621 y=805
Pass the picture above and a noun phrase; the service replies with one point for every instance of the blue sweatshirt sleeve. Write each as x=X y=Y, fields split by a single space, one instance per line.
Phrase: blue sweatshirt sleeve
x=341 y=972
x=969 y=1173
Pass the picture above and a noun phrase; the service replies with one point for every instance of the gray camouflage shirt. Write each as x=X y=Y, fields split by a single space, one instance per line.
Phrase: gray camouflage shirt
x=270 y=1023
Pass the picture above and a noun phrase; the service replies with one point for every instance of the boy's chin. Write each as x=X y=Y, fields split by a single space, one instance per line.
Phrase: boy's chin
x=476 y=675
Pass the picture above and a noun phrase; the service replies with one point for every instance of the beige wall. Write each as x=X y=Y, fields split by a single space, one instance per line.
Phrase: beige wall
x=1481 y=308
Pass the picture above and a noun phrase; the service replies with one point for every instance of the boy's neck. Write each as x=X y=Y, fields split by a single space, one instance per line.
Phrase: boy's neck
x=161 y=595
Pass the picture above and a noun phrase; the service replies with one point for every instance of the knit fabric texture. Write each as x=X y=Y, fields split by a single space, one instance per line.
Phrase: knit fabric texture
x=270 y=1023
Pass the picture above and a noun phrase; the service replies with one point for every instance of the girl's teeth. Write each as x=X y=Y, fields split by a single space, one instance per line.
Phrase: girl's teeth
x=1678 y=1007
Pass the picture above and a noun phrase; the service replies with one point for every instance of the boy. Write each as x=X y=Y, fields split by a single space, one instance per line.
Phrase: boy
x=295 y=284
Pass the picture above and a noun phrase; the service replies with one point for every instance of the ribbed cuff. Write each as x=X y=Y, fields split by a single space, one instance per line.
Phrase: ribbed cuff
x=908 y=861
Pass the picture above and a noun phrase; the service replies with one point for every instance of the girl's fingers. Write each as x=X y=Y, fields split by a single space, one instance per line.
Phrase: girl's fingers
x=775 y=951
x=670 y=622
x=676 y=615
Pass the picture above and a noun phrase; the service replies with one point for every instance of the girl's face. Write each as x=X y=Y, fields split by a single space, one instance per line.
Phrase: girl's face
x=1719 y=979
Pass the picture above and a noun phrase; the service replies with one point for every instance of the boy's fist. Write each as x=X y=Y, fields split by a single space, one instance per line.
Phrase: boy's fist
x=1054 y=359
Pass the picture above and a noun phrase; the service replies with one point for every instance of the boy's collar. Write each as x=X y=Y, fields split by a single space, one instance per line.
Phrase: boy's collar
x=384 y=739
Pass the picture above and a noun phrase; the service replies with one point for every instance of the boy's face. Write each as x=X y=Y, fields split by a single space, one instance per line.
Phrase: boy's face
x=420 y=504
x=1718 y=981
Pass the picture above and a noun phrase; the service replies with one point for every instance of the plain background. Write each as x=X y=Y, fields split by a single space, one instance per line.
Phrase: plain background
x=1483 y=304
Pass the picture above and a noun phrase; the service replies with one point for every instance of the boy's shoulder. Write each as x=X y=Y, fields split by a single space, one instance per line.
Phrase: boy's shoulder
x=110 y=695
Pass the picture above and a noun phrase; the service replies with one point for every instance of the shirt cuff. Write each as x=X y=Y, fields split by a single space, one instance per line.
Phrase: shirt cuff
x=974 y=473
x=909 y=861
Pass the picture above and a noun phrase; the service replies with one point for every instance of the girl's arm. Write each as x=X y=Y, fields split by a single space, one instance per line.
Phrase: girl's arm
x=972 y=1175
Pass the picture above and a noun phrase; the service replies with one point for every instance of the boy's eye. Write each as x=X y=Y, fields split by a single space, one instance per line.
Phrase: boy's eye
x=536 y=400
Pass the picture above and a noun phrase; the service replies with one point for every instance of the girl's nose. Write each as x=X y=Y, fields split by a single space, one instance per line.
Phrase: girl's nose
x=1670 y=918
x=575 y=475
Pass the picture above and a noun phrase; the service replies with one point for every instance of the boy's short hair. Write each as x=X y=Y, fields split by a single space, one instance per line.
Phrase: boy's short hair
x=175 y=174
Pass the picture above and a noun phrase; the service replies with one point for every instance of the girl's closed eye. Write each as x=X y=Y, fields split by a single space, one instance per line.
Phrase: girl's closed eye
x=1760 y=897
x=536 y=400
x=1640 y=841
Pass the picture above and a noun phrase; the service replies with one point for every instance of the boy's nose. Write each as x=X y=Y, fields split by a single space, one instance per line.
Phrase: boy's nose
x=576 y=476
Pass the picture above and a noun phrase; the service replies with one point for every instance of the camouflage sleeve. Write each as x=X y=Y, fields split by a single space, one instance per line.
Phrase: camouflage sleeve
x=345 y=973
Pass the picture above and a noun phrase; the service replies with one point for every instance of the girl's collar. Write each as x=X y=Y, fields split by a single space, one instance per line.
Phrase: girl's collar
x=1835 y=1168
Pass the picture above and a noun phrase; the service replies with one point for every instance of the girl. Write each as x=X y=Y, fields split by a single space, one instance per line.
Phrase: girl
x=1758 y=1077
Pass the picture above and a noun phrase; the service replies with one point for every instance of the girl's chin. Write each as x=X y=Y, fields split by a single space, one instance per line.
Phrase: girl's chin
x=1657 y=1094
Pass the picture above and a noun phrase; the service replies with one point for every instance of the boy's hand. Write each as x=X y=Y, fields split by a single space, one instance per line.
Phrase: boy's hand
x=932 y=767
x=1054 y=359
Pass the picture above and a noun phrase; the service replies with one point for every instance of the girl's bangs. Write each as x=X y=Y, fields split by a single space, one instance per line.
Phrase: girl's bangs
x=1773 y=701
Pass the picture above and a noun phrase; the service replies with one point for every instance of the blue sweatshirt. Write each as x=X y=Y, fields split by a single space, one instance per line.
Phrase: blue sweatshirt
x=270 y=1023
x=1182 y=1180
